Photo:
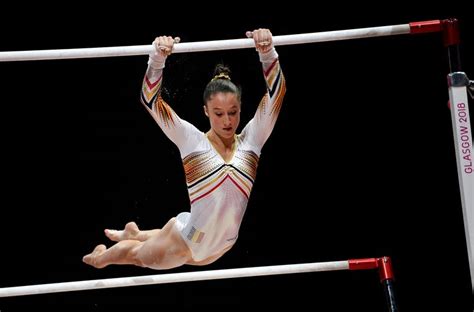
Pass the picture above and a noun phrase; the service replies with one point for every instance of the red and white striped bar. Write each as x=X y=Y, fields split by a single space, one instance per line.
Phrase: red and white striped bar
x=411 y=28
x=357 y=264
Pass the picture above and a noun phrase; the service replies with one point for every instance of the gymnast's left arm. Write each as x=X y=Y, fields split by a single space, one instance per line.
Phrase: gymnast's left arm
x=262 y=124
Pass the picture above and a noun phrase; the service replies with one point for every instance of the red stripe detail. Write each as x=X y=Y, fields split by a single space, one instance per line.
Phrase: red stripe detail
x=152 y=85
x=238 y=186
x=208 y=192
x=270 y=68
x=211 y=190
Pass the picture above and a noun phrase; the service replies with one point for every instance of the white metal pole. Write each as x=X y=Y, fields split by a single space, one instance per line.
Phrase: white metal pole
x=204 y=45
x=173 y=278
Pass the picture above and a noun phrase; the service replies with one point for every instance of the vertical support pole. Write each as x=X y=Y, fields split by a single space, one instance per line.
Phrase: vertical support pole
x=460 y=118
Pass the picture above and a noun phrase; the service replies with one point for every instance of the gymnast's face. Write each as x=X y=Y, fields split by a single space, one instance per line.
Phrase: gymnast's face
x=223 y=110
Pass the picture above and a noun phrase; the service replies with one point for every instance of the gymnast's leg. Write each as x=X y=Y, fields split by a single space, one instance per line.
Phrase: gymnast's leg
x=164 y=250
x=130 y=232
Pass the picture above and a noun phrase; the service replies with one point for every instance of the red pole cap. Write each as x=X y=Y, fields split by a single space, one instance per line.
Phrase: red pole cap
x=385 y=268
x=451 y=32
x=425 y=27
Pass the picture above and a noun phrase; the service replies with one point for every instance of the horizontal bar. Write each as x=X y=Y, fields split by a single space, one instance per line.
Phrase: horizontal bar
x=173 y=278
x=205 y=45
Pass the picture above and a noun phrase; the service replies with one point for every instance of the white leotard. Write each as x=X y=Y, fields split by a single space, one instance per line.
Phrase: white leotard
x=218 y=190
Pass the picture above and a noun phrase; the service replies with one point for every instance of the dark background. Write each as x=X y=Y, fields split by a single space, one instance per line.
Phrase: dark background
x=361 y=163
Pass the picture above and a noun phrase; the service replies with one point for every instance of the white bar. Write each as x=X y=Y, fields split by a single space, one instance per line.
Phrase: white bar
x=204 y=45
x=173 y=278
x=462 y=133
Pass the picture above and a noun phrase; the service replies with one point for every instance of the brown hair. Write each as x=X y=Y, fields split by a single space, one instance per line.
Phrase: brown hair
x=221 y=82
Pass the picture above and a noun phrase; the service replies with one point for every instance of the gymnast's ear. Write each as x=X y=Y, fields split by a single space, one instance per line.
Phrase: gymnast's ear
x=205 y=110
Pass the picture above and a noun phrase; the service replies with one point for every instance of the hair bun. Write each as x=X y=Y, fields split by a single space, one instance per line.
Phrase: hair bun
x=221 y=76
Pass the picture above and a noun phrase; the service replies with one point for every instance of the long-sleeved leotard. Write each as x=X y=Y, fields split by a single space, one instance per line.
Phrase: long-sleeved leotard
x=218 y=190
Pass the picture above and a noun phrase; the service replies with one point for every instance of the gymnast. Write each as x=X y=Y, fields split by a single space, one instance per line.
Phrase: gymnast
x=220 y=166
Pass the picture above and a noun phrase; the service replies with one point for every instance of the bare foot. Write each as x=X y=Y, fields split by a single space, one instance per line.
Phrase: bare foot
x=91 y=259
x=130 y=232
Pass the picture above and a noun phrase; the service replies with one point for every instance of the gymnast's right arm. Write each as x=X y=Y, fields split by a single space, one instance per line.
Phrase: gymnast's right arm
x=181 y=132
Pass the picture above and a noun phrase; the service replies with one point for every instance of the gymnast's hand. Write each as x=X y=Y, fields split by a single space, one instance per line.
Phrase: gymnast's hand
x=262 y=38
x=164 y=45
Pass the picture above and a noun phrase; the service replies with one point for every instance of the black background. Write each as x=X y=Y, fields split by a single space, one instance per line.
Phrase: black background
x=361 y=163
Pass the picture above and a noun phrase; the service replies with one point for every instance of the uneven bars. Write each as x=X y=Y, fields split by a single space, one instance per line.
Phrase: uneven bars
x=411 y=28
x=178 y=277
